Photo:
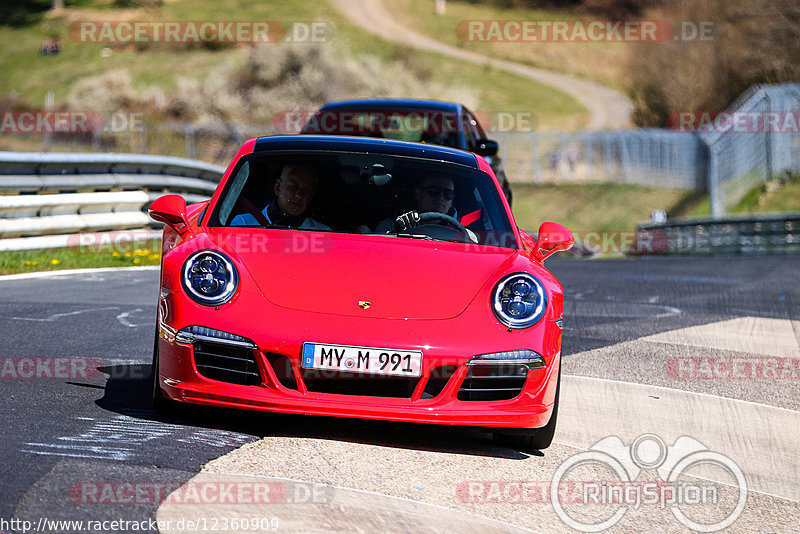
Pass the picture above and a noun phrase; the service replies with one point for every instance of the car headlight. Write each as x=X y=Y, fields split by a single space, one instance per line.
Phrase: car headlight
x=519 y=300
x=209 y=277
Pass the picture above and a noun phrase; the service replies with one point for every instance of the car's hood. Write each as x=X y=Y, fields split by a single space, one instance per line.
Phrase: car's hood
x=366 y=276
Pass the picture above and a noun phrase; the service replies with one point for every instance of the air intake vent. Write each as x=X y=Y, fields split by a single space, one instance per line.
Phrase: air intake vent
x=282 y=367
x=438 y=380
x=226 y=364
x=325 y=381
x=493 y=382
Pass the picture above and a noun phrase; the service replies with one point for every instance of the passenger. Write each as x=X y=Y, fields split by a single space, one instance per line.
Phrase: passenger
x=294 y=191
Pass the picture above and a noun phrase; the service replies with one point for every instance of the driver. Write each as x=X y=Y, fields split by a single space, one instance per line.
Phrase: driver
x=435 y=193
x=294 y=191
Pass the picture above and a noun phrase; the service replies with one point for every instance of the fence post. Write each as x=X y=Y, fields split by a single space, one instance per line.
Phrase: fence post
x=189 y=141
x=49 y=103
x=587 y=156
x=717 y=202
x=768 y=138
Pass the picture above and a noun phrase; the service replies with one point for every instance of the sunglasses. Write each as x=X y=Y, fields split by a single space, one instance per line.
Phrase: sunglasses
x=436 y=191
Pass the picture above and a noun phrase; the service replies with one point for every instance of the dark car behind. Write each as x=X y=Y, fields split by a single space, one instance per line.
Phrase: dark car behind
x=428 y=121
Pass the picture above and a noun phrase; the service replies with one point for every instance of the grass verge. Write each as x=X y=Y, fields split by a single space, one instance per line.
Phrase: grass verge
x=26 y=261
x=157 y=68
x=595 y=207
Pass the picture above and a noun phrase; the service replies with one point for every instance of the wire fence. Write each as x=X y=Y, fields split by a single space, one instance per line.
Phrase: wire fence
x=651 y=157
x=756 y=140
x=727 y=153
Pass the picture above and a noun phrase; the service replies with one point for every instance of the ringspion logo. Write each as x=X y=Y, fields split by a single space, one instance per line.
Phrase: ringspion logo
x=688 y=497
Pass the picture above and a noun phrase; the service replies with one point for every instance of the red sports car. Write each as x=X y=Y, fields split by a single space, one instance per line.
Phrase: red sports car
x=359 y=277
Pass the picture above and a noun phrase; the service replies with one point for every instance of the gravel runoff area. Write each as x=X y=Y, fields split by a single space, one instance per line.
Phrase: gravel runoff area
x=453 y=489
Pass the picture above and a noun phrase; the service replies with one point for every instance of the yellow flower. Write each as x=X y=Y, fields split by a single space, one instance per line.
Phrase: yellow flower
x=127 y=254
x=54 y=262
x=115 y=253
x=153 y=256
x=137 y=260
x=34 y=263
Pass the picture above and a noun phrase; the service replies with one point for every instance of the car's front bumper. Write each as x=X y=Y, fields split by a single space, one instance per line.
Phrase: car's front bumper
x=447 y=344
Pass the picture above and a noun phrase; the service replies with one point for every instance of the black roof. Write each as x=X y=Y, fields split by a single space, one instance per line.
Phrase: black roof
x=393 y=103
x=341 y=143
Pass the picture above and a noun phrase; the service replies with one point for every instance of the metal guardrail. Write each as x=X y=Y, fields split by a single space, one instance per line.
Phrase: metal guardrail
x=745 y=235
x=46 y=198
x=66 y=163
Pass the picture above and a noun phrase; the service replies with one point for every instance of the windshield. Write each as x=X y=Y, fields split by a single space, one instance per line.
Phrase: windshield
x=395 y=196
x=419 y=126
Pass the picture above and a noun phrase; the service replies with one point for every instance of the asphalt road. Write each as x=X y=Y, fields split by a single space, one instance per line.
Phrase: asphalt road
x=67 y=436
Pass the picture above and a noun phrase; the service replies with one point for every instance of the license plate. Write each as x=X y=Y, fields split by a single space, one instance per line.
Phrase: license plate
x=371 y=360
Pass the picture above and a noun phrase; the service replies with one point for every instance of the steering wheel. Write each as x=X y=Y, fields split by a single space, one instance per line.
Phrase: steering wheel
x=434 y=215
x=449 y=224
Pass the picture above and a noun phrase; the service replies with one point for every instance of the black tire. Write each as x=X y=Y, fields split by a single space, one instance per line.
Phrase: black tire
x=159 y=403
x=537 y=438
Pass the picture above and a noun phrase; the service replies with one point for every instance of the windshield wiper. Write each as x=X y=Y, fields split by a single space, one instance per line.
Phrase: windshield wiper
x=415 y=236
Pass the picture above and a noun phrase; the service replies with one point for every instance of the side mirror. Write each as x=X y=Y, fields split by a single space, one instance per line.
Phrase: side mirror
x=487 y=147
x=170 y=209
x=552 y=238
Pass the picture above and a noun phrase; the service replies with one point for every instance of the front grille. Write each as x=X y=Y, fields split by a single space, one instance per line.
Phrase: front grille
x=226 y=364
x=491 y=382
x=340 y=383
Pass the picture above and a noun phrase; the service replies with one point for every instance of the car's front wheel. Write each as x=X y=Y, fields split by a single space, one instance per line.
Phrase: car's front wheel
x=159 y=403
x=537 y=438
